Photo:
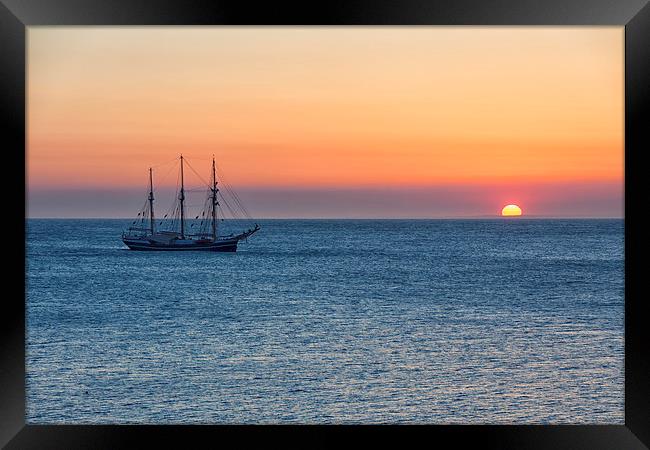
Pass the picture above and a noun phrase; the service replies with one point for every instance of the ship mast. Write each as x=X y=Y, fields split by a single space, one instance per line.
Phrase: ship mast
x=151 y=217
x=214 y=201
x=181 y=197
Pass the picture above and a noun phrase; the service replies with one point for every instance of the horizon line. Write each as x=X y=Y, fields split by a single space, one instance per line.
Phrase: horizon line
x=522 y=217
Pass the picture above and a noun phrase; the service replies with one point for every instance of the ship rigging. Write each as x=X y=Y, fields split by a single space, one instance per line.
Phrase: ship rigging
x=171 y=233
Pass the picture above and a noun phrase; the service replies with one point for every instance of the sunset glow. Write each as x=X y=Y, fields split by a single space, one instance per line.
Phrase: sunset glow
x=300 y=109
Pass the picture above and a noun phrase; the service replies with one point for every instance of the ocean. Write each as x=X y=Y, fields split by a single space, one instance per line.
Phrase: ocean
x=505 y=321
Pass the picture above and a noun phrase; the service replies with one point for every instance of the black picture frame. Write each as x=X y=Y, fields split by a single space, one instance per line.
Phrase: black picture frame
x=16 y=15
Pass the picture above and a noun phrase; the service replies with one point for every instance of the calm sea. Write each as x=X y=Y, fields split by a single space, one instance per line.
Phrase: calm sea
x=330 y=321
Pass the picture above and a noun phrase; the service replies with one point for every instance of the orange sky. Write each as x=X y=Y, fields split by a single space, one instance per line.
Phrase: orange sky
x=326 y=106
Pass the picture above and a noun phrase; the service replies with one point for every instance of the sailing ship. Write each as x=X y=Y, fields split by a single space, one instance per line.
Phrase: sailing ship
x=206 y=237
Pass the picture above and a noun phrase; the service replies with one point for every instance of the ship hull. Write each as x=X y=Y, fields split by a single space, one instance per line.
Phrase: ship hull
x=219 y=246
x=170 y=242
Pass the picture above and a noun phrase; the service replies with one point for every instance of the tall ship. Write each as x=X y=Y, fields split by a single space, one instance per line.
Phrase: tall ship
x=179 y=233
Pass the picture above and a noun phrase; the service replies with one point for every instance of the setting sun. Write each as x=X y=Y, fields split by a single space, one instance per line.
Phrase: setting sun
x=511 y=210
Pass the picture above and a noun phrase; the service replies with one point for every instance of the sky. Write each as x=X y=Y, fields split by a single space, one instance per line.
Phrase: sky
x=329 y=121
